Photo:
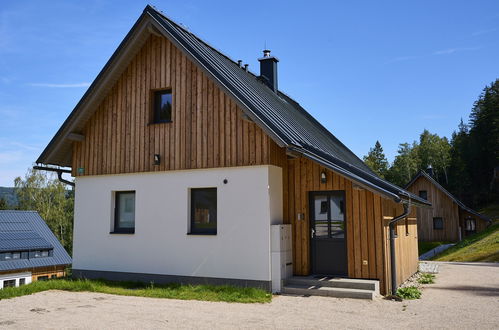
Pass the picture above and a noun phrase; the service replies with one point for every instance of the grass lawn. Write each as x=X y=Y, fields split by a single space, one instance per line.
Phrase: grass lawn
x=424 y=247
x=482 y=246
x=172 y=291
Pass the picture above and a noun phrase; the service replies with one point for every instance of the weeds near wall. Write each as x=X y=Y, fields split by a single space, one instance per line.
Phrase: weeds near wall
x=409 y=293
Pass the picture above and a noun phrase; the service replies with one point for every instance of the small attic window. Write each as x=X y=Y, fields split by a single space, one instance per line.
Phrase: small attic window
x=162 y=106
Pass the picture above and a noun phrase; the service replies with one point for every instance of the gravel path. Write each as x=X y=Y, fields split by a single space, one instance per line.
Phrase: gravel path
x=466 y=296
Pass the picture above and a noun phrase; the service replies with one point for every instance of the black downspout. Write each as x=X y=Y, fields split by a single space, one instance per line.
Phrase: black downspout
x=393 y=263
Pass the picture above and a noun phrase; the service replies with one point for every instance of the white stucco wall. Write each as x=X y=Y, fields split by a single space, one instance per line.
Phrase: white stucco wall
x=246 y=207
x=15 y=276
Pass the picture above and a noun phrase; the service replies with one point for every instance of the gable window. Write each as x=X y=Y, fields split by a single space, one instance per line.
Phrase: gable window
x=124 y=212
x=438 y=223
x=204 y=211
x=423 y=194
x=162 y=106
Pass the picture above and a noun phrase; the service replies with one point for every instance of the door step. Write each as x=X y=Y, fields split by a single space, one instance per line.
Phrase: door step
x=332 y=287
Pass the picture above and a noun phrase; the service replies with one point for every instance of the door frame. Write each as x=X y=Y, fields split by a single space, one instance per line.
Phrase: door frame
x=311 y=195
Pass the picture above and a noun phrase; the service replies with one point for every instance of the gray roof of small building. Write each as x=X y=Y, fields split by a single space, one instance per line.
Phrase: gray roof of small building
x=439 y=186
x=282 y=118
x=26 y=230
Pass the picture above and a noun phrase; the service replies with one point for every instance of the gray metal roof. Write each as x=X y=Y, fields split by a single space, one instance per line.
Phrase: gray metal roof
x=439 y=186
x=26 y=230
x=277 y=114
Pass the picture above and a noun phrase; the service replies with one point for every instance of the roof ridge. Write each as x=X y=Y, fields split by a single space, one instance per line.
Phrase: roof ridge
x=179 y=25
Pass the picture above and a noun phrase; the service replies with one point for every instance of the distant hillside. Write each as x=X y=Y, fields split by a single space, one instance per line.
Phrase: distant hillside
x=8 y=193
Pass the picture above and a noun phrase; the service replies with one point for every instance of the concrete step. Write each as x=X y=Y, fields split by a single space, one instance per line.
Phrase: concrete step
x=334 y=282
x=305 y=290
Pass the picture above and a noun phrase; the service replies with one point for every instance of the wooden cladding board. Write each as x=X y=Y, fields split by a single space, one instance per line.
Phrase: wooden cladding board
x=207 y=129
x=442 y=206
x=367 y=217
x=363 y=219
x=406 y=244
x=479 y=222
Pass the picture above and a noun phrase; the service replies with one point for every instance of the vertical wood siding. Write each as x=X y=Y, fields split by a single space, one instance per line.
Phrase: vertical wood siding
x=364 y=220
x=406 y=244
x=442 y=206
x=207 y=128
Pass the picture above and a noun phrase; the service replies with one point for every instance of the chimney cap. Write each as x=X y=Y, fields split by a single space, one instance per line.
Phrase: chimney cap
x=246 y=67
x=240 y=63
x=266 y=53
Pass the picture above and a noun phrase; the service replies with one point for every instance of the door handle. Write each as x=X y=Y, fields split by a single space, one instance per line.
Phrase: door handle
x=312 y=233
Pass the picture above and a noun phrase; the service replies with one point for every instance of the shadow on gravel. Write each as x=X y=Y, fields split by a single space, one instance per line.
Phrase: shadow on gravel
x=477 y=290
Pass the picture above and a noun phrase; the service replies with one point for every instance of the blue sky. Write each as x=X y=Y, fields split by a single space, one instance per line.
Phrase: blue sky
x=367 y=70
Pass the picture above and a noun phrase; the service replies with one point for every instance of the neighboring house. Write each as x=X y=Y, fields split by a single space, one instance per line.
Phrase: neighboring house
x=29 y=251
x=448 y=219
x=184 y=160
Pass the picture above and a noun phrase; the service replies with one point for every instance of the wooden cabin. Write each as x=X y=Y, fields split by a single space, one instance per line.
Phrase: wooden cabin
x=184 y=160
x=448 y=220
x=29 y=251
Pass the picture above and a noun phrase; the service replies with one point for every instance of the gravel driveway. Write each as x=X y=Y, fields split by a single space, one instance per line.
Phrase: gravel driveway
x=466 y=296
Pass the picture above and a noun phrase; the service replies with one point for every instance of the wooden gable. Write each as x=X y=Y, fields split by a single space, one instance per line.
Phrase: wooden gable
x=442 y=206
x=207 y=129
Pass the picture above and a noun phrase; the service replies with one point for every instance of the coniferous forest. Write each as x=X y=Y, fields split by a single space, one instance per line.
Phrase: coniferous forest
x=467 y=164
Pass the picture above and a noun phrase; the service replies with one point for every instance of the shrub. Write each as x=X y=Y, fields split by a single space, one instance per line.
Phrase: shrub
x=410 y=292
x=426 y=278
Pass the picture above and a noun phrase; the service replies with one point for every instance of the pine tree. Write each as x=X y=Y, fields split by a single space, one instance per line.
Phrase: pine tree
x=484 y=142
x=376 y=160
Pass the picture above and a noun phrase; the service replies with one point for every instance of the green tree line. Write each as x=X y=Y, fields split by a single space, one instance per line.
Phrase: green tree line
x=44 y=193
x=465 y=164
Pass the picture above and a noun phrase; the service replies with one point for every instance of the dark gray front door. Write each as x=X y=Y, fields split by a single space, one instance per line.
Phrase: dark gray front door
x=328 y=231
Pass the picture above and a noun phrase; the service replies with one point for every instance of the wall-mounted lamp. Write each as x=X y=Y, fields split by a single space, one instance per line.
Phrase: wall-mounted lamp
x=157 y=159
x=323 y=177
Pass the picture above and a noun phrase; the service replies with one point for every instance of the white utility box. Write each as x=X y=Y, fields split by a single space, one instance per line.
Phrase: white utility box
x=281 y=255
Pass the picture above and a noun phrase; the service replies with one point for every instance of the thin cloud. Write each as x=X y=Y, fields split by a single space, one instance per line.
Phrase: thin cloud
x=404 y=58
x=435 y=53
x=453 y=50
x=479 y=33
x=77 y=85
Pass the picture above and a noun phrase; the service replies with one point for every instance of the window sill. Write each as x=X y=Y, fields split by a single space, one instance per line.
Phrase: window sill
x=160 y=123
x=202 y=234
x=122 y=232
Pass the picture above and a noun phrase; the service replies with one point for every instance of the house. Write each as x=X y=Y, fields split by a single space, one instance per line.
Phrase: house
x=448 y=220
x=185 y=162
x=29 y=251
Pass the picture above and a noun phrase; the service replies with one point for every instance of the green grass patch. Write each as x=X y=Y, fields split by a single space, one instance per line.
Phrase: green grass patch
x=426 y=278
x=483 y=246
x=409 y=293
x=424 y=247
x=173 y=291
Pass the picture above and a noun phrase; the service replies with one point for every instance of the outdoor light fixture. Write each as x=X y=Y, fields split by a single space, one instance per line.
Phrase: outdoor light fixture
x=323 y=177
x=157 y=159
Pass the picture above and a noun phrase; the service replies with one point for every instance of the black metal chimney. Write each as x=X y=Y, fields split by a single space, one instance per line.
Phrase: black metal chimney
x=268 y=69
x=429 y=170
